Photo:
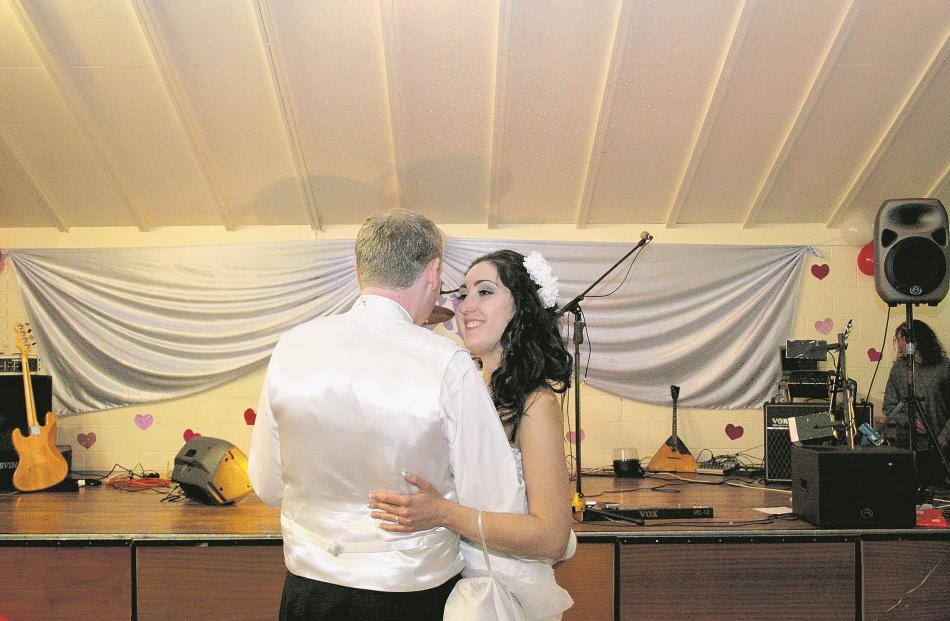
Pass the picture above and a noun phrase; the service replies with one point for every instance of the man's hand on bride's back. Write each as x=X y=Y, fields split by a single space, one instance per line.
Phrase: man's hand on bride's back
x=412 y=512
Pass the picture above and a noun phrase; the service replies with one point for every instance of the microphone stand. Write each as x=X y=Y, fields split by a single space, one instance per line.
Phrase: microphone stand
x=574 y=307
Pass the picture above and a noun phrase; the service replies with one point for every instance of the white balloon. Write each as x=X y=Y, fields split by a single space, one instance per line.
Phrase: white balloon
x=856 y=231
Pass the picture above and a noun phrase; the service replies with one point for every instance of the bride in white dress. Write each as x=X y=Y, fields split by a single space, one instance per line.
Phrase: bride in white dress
x=508 y=323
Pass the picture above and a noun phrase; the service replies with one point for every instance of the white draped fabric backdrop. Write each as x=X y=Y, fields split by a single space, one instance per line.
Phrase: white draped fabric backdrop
x=122 y=326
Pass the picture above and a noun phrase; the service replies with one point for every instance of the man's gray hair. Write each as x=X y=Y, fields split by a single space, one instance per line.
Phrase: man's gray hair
x=392 y=249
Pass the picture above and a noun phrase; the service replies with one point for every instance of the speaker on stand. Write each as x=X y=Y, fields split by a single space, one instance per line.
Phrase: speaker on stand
x=911 y=253
x=912 y=266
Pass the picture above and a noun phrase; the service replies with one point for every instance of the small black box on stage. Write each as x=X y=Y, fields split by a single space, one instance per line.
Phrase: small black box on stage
x=867 y=487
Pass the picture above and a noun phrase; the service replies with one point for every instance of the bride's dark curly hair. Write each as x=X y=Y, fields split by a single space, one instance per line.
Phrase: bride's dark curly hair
x=534 y=353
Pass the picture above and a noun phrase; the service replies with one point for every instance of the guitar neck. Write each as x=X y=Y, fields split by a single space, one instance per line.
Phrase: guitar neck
x=31 y=419
x=675 y=439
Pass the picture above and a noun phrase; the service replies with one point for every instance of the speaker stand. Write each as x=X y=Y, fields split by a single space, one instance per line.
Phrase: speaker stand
x=912 y=403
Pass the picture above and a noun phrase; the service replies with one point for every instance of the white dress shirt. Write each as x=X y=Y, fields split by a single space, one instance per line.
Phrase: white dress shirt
x=349 y=403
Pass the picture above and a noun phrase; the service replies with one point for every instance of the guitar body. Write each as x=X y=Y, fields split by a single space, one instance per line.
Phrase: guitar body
x=673 y=456
x=41 y=464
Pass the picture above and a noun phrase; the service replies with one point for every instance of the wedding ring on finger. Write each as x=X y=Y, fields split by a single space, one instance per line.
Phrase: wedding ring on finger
x=397 y=519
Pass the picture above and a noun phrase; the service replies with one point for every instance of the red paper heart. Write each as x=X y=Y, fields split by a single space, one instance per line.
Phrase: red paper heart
x=874 y=355
x=820 y=271
x=569 y=436
x=86 y=439
x=825 y=325
x=734 y=431
x=250 y=416
x=189 y=434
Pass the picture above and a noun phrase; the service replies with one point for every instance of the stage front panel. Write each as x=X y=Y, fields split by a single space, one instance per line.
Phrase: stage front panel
x=53 y=583
x=238 y=583
x=783 y=580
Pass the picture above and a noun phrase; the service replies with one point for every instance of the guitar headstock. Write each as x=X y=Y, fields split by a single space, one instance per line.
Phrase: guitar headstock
x=24 y=338
x=675 y=392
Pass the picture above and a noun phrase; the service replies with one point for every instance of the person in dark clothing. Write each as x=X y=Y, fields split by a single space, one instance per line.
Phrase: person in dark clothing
x=932 y=389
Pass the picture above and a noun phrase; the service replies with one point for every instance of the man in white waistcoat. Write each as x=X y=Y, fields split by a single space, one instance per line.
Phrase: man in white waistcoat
x=351 y=402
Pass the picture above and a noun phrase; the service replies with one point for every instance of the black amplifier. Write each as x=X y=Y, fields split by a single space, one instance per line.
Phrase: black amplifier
x=13 y=405
x=865 y=487
x=778 y=457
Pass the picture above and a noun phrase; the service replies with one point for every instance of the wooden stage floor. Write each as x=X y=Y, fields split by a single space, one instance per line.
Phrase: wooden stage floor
x=103 y=553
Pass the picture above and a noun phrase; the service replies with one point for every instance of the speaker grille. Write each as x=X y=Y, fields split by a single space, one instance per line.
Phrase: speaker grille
x=778 y=454
x=915 y=266
x=911 y=257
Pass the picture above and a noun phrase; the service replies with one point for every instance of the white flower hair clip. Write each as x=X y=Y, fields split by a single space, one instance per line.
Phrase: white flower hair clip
x=540 y=273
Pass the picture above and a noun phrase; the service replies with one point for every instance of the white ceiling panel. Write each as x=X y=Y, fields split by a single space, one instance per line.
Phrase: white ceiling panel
x=52 y=147
x=917 y=158
x=856 y=108
x=218 y=53
x=445 y=68
x=154 y=113
x=332 y=53
x=20 y=197
x=554 y=84
x=763 y=97
x=673 y=54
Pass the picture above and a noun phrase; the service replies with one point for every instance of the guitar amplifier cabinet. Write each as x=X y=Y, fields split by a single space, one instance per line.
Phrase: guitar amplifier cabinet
x=13 y=406
x=778 y=445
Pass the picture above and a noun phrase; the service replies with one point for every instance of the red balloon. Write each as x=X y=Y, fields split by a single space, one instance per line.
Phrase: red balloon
x=866 y=259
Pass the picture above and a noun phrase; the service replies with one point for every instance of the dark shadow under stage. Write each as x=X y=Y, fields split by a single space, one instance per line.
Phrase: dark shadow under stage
x=100 y=553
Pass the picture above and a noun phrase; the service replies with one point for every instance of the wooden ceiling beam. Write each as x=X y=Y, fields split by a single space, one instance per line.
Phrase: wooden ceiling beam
x=397 y=123
x=33 y=182
x=941 y=184
x=727 y=70
x=933 y=67
x=499 y=117
x=289 y=114
x=617 y=48
x=183 y=110
x=815 y=89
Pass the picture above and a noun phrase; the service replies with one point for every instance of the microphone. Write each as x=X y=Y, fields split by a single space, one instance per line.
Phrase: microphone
x=645 y=236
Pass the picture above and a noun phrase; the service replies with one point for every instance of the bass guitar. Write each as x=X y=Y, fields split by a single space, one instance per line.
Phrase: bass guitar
x=673 y=456
x=41 y=464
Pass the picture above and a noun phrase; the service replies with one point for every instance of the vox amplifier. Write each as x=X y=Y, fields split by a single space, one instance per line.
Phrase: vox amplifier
x=778 y=457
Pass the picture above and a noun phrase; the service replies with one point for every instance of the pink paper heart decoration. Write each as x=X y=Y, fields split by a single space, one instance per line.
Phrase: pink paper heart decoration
x=143 y=421
x=569 y=436
x=825 y=326
x=250 y=416
x=820 y=271
x=734 y=431
x=189 y=434
x=86 y=439
x=874 y=355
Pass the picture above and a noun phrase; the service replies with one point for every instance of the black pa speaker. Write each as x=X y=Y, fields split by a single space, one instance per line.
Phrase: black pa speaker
x=870 y=487
x=911 y=254
x=212 y=470
x=13 y=405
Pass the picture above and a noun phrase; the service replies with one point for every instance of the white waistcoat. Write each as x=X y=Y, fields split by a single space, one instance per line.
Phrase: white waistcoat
x=355 y=398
